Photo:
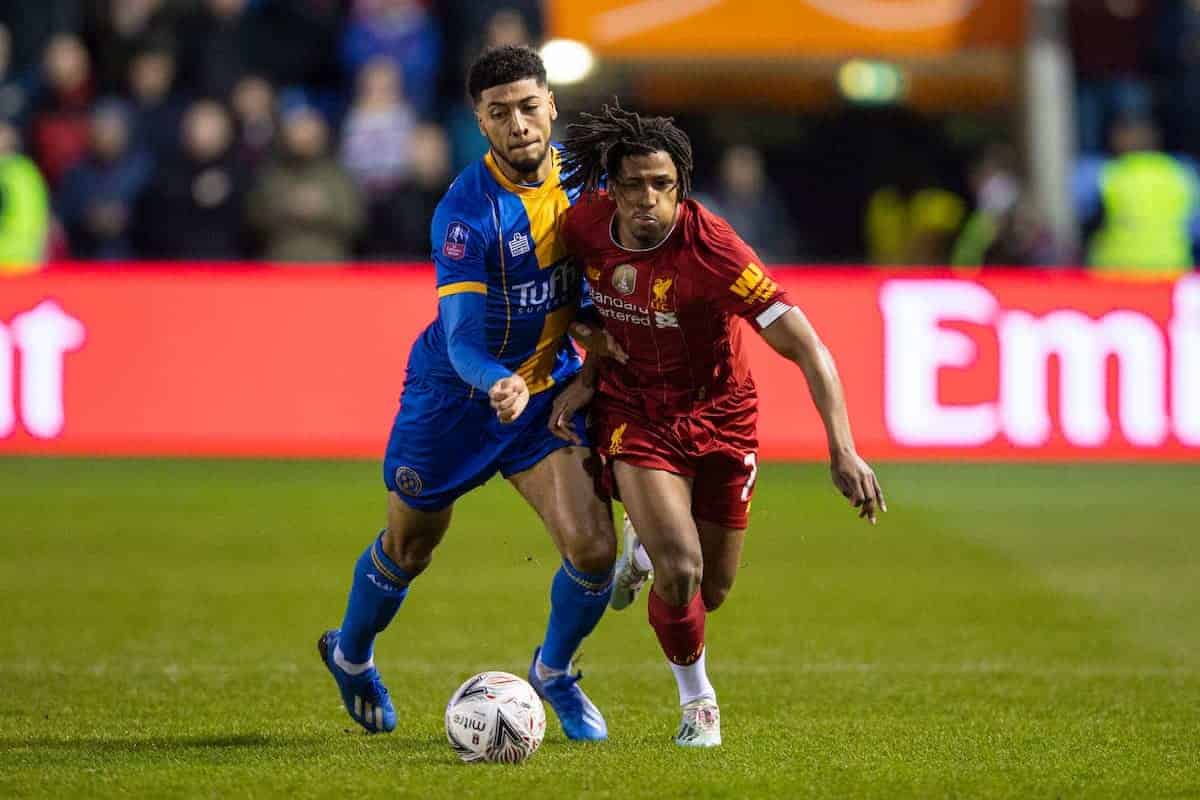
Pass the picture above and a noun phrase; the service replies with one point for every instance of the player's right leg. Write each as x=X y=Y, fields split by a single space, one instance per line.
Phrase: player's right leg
x=436 y=453
x=659 y=504
x=380 y=584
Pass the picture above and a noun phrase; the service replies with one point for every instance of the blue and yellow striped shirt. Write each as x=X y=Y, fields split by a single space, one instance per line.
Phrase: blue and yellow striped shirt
x=502 y=240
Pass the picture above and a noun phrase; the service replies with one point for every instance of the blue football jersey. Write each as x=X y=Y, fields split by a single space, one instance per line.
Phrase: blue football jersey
x=504 y=240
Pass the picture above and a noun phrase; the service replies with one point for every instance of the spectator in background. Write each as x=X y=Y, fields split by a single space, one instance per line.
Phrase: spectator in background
x=59 y=120
x=303 y=204
x=117 y=30
x=399 y=229
x=913 y=222
x=98 y=195
x=194 y=207
x=376 y=148
x=1110 y=43
x=33 y=23
x=1003 y=228
x=1144 y=205
x=403 y=31
x=217 y=47
x=377 y=131
x=157 y=110
x=253 y=102
x=752 y=205
x=16 y=88
x=505 y=26
x=24 y=210
x=1177 y=61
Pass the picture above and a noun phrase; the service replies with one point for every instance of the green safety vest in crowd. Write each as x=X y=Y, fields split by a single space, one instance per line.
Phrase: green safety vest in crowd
x=24 y=215
x=1148 y=203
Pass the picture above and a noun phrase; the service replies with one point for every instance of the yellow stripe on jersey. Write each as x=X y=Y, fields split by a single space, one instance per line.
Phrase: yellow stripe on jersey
x=537 y=368
x=477 y=287
x=545 y=206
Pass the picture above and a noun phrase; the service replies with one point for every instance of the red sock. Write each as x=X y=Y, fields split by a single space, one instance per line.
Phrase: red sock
x=680 y=629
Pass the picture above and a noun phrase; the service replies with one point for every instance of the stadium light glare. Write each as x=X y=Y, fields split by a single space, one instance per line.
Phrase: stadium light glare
x=863 y=81
x=567 y=61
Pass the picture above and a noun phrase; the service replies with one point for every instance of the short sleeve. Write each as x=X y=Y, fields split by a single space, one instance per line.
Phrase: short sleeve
x=737 y=280
x=459 y=250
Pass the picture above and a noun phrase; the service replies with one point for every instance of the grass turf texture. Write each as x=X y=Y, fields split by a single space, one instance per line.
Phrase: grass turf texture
x=1006 y=631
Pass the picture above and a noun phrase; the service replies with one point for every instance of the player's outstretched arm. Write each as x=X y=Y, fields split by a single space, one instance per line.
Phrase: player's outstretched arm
x=793 y=337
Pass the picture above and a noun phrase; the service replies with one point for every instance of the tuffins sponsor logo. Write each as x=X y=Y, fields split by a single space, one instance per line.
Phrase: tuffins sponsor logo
x=1156 y=369
x=753 y=285
x=551 y=289
x=41 y=337
x=624 y=279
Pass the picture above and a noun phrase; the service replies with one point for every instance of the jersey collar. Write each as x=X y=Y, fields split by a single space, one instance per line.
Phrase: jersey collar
x=549 y=184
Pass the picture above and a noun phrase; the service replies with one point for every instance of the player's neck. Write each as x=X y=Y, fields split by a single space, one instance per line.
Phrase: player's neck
x=524 y=178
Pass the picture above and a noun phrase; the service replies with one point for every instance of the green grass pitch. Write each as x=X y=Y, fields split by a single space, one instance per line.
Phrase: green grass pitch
x=1005 y=631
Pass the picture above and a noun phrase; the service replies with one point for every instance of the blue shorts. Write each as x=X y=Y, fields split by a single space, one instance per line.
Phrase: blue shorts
x=442 y=447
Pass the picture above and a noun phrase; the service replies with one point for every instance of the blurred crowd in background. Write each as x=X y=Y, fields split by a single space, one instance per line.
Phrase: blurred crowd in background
x=327 y=130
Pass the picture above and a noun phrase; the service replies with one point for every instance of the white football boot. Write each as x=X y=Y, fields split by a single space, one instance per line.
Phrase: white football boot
x=701 y=724
x=628 y=579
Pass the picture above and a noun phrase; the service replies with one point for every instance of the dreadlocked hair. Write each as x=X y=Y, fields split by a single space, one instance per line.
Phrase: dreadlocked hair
x=595 y=145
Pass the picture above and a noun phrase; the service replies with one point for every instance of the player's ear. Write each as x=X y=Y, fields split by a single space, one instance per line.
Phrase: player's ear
x=479 y=122
x=553 y=106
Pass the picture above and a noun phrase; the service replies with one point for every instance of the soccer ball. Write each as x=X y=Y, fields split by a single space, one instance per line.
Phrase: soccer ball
x=497 y=717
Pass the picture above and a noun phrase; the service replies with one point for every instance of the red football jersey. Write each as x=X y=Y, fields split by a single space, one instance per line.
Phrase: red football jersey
x=674 y=307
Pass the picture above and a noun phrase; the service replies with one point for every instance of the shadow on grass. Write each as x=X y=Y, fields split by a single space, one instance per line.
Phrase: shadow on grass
x=204 y=742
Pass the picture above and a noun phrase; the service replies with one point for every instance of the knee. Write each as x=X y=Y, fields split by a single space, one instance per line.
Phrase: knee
x=714 y=593
x=678 y=577
x=590 y=548
x=412 y=553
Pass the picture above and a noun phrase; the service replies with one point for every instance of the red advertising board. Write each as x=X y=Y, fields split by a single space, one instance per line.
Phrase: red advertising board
x=261 y=361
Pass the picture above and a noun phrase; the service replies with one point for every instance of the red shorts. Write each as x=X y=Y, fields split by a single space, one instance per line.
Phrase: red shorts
x=716 y=446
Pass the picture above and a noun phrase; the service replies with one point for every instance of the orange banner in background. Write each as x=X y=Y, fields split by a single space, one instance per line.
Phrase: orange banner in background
x=260 y=361
x=787 y=28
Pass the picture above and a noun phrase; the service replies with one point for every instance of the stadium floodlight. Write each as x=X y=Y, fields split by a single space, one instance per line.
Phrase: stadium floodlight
x=567 y=61
x=875 y=82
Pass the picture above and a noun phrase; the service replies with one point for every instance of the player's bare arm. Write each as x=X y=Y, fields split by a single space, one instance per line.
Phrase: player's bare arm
x=573 y=399
x=794 y=337
x=597 y=341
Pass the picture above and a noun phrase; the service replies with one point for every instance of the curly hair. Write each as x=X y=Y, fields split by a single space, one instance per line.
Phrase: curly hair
x=502 y=65
x=594 y=146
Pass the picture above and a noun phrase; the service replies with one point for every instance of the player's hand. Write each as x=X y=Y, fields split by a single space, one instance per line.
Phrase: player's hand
x=857 y=482
x=599 y=342
x=509 y=397
x=569 y=401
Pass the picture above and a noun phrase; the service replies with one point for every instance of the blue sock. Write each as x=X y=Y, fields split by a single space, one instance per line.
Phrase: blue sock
x=379 y=588
x=577 y=601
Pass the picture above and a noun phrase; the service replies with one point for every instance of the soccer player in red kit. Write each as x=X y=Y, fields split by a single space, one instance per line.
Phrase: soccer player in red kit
x=676 y=416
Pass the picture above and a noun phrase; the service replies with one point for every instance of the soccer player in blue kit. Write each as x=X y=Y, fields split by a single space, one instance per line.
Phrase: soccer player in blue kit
x=477 y=397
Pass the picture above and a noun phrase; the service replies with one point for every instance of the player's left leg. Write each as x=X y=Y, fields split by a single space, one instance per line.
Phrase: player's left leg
x=722 y=548
x=561 y=490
